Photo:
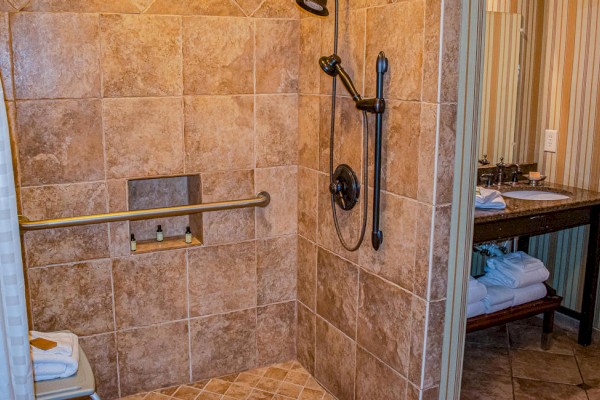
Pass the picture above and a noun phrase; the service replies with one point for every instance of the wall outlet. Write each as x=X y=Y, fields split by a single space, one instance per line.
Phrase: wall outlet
x=550 y=141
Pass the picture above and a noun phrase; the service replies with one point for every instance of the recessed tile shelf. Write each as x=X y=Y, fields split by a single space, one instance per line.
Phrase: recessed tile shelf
x=161 y=192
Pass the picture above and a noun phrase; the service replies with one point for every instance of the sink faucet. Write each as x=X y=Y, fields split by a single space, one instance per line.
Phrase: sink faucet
x=500 y=170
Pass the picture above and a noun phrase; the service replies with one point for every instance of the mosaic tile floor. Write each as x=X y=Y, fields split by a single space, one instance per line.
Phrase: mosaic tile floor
x=283 y=381
x=507 y=362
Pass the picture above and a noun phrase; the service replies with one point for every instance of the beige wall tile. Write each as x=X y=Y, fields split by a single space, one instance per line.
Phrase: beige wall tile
x=307 y=202
x=195 y=7
x=277 y=48
x=219 y=133
x=87 y=6
x=6 y=58
x=422 y=251
x=249 y=6
x=450 y=51
x=431 y=50
x=276 y=130
x=337 y=291
x=395 y=260
x=309 y=110
x=141 y=55
x=427 y=152
x=70 y=149
x=117 y=195
x=383 y=321
x=397 y=30
x=158 y=192
x=83 y=304
x=233 y=225
x=66 y=66
x=305 y=338
x=222 y=278
x=309 y=74
x=435 y=338
x=119 y=239
x=334 y=361
x=60 y=201
x=63 y=245
x=375 y=380
x=277 y=9
x=144 y=137
x=223 y=344
x=160 y=278
x=307 y=273
x=153 y=357
x=279 y=218
x=276 y=333
x=417 y=342
x=276 y=266
x=101 y=351
x=209 y=67
x=5 y=6
x=445 y=156
x=440 y=249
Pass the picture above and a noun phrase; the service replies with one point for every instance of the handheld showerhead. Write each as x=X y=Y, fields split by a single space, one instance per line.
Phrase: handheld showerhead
x=316 y=7
x=331 y=65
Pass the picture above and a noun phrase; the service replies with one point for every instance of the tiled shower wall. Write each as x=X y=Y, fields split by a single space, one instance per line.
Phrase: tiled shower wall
x=100 y=92
x=370 y=324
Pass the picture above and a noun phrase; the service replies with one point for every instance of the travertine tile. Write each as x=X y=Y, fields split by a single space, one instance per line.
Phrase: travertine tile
x=445 y=156
x=144 y=136
x=153 y=356
x=6 y=58
x=433 y=348
x=337 y=291
x=276 y=333
x=101 y=351
x=141 y=55
x=87 y=6
x=307 y=273
x=309 y=74
x=334 y=361
x=527 y=337
x=117 y=195
x=277 y=48
x=558 y=368
x=309 y=114
x=219 y=133
x=232 y=225
x=211 y=68
x=119 y=239
x=480 y=358
x=383 y=327
x=279 y=218
x=222 y=278
x=277 y=9
x=160 y=277
x=478 y=386
x=305 y=339
x=431 y=50
x=63 y=245
x=5 y=6
x=83 y=304
x=375 y=380
x=450 y=51
x=196 y=7
x=590 y=370
x=249 y=6
x=66 y=66
x=307 y=202
x=427 y=153
x=60 y=201
x=71 y=148
x=526 y=389
x=276 y=269
x=223 y=344
x=397 y=30
x=276 y=130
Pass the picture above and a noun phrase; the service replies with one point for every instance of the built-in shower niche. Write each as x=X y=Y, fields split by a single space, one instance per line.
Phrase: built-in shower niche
x=165 y=192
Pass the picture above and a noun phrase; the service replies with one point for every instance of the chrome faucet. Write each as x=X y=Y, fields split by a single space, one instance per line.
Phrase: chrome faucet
x=500 y=171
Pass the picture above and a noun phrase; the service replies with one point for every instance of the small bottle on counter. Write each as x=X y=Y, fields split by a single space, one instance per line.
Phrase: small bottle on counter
x=188 y=235
x=133 y=243
x=159 y=234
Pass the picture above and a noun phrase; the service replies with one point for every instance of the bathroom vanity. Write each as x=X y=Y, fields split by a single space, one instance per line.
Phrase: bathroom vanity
x=525 y=218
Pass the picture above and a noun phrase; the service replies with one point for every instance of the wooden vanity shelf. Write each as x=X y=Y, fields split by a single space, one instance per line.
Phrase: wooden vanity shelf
x=547 y=305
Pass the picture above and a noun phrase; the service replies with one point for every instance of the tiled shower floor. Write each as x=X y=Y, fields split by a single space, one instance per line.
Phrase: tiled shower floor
x=283 y=381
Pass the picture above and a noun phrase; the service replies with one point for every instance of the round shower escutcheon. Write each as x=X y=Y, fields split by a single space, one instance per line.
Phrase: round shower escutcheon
x=345 y=187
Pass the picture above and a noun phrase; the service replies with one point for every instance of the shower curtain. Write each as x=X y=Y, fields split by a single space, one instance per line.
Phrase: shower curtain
x=16 y=377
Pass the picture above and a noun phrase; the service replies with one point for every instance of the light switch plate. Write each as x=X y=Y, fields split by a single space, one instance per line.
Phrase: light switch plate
x=550 y=141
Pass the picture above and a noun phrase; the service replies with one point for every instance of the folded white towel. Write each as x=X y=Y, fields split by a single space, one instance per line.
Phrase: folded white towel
x=518 y=260
x=476 y=291
x=497 y=295
x=48 y=365
x=489 y=198
x=498 y=307
x=64 y=342
x=528 y=293
x=514 y=278
x=475 y=309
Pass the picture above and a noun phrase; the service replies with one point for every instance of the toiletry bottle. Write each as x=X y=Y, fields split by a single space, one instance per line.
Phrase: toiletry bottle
x=159 y=234
x=133 y=243
x=188 y=235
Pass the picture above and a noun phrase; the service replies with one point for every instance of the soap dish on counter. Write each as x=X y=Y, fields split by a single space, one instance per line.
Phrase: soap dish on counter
x=535 y=181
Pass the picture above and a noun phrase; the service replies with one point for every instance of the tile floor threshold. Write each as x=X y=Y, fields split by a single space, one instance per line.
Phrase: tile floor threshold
x=283 y=381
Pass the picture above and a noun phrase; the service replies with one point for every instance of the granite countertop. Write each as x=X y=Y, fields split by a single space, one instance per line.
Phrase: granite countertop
x=519 y=208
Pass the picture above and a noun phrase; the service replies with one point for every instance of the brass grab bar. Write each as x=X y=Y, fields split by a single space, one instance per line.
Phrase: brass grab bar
x=261 y=200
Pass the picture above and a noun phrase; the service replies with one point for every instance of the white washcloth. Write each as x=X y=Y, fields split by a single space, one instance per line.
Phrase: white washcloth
x=498 y=307
x=528 y=293
x=476 y=291
x=475 y=309
x=48 y=365
x=497 y=295
x=64 y=342
x=519 y=260
x=489 y=198
x=514 y=278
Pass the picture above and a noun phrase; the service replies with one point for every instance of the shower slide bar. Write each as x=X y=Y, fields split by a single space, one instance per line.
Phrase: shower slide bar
x=261 y=200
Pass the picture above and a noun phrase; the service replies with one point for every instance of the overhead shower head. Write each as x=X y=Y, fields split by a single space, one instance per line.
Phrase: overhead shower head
x=316 y=7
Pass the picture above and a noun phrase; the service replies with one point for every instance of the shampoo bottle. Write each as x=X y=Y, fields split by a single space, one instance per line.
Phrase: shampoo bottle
x=188 y=235
x=133 y=243
x=159 y=234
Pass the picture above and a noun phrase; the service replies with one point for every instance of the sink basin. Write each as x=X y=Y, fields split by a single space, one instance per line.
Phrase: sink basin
x=534 y=195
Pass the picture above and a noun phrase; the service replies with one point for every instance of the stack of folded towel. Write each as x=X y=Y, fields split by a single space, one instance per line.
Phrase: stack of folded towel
x=512 y=280
x=489 y=198
x=60 y=361
x=476 y=293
